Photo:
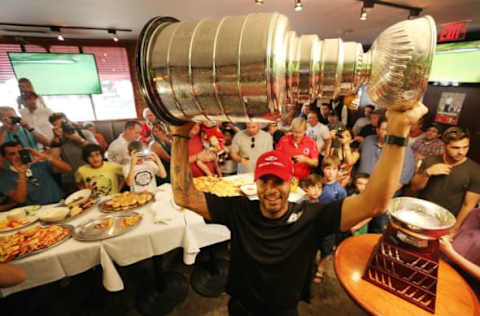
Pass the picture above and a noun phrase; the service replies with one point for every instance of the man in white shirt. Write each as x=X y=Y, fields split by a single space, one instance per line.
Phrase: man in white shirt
x=317 y=131
x=35 y=116
x=248 y=145
x=363 y=121
x=118 y=149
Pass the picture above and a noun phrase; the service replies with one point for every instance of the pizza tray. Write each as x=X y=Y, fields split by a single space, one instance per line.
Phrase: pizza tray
x=92 y=230
x=58 y=243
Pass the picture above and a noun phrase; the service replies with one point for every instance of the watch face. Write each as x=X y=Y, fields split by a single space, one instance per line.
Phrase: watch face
x=396 y=140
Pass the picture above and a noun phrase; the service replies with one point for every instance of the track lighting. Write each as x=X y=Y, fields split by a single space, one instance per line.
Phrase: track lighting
x=114 y=35
x=57 y=30
x=298 y=5
x=363 y=14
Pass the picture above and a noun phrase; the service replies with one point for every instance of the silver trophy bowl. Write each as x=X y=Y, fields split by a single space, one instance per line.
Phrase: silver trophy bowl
x=245 y=68
x=420 y=218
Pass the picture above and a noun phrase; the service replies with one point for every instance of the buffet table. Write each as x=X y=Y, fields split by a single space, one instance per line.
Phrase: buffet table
x=185 y=229
x=454 y=295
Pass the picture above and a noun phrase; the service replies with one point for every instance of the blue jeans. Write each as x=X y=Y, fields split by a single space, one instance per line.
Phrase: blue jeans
x=326 y=245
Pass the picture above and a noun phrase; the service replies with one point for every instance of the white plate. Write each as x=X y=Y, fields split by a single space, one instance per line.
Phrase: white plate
x=78 y=197
x=30 y=212
x=249 y=189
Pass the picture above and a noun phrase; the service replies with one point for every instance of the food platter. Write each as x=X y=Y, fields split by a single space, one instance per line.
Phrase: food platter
x=125 y=202
x=33 y=240
x=18 y=218
x=107 y=226
x=73 y=211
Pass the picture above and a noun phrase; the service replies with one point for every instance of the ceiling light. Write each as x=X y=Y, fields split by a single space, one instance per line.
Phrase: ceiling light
x=114 y=35
x=298 y=5
x=363 y=14
x=259 y=2
x=56 y=29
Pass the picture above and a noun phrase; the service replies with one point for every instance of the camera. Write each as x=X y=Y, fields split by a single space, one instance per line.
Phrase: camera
x=143 y=153
x=339 y=132
x=25 y=156
x=15 y=119
x=68 y=128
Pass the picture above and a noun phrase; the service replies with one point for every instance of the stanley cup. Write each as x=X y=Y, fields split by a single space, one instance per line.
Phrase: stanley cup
x=245 y=68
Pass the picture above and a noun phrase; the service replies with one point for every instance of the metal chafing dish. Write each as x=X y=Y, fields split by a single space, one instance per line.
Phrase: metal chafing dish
x=244 y=68
x=420 y=218
x=104 y=227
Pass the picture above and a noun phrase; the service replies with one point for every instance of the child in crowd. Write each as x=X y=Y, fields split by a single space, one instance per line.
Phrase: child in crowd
x=102 y=177
x=360 y=183
x=213 y=140
x=332 y=191
x=144 y=165
x=312 y=185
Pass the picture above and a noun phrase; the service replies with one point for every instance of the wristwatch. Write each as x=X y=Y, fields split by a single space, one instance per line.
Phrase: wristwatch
x=396 y=140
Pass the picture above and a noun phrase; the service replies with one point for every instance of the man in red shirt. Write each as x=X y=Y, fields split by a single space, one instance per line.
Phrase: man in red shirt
x=300 y=148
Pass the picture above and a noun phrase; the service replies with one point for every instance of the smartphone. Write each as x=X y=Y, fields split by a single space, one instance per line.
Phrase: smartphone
x=25 y=156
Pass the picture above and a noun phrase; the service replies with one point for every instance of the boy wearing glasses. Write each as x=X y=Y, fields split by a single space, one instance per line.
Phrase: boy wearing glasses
x=28 y=178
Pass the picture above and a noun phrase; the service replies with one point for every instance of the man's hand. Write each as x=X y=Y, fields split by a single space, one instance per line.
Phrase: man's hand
x=300 y=159
x=399 y=122
x=133 y=158
x=182 y=129
x=206 y=156
x=153 y=156
x=75 y=137
x=446 y=244
x=438 y=169
x=25 y=125
x=36 y=155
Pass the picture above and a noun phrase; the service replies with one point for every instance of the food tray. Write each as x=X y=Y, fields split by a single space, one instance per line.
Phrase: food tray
x=69 y=227
x=105 y=208
x=92 y=230
x=69 y=218
x=33 y=217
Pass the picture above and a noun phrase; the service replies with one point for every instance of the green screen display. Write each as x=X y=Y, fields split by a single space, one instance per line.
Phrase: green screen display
x=55 y=74
x=456 y=62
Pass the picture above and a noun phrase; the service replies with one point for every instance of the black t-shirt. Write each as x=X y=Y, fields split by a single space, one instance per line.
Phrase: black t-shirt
x=449 y=190
x=368 y=130
x=272 y=259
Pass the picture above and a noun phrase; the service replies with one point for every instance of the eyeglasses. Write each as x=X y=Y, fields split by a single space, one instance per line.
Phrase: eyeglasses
x=253 y=143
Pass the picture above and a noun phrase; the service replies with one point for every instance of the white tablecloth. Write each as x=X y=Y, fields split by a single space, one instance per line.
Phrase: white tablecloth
x=187 y=230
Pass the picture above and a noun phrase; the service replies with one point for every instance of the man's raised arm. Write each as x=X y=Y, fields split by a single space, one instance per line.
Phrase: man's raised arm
x=184 y=192
x=385 y=178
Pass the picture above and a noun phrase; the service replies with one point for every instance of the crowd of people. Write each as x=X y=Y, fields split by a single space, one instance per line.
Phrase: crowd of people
x=46 y=156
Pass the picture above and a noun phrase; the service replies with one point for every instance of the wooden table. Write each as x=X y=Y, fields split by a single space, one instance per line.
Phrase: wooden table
x=454 y=295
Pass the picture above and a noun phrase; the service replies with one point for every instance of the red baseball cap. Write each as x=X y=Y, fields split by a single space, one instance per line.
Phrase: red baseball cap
x=276 y=163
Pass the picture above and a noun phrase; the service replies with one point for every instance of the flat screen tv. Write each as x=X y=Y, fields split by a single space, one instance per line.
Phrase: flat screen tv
x=456 y=63
x=57 y=74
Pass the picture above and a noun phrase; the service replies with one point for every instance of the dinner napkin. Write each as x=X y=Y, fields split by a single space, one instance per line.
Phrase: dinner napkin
x=163 y=212
x=190 y=246
x=111 y=279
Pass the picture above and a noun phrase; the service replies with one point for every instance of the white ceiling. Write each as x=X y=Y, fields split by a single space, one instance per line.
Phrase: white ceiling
x=327 y=18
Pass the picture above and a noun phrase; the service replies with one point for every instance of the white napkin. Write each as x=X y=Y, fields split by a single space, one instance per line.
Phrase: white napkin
x=190 y=245
x=163 y=212
x=111 y=279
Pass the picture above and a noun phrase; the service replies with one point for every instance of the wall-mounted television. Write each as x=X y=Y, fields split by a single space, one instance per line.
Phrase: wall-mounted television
x=456 y=63
x=57 y=74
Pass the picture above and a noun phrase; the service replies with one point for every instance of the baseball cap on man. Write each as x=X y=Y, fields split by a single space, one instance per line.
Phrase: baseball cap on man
x=276 y=163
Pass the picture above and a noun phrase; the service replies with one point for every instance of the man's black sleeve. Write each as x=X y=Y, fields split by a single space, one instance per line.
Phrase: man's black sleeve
x=222 y=209
x=329 y=217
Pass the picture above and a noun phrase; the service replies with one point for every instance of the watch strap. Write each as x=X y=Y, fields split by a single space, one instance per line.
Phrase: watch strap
x=396 y=140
